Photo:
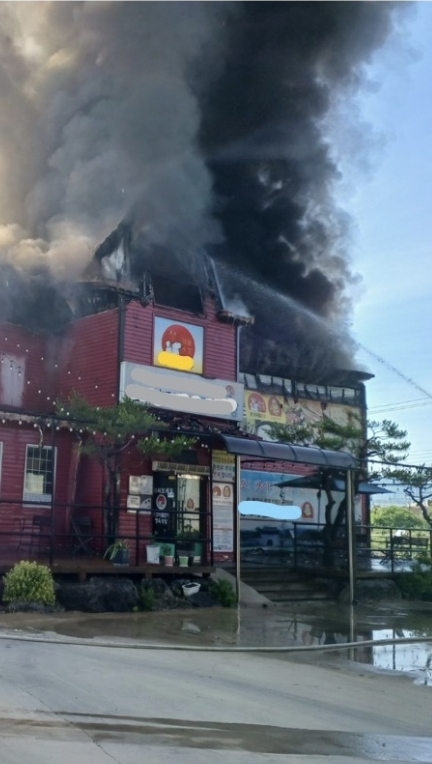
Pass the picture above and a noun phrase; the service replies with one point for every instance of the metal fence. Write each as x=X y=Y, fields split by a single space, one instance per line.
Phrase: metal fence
x=301 y=545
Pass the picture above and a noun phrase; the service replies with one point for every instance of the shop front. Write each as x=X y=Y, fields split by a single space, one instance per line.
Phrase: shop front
x=180 y=517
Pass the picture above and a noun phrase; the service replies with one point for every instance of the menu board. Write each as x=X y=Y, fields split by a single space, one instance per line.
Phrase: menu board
x=223 y=466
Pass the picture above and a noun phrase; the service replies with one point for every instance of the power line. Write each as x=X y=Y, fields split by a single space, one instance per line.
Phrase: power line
x=400 y=403
x=396 y=371
x=399 y=407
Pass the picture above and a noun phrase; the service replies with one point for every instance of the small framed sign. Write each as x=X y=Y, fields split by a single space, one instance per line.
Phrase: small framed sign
x=141 y=485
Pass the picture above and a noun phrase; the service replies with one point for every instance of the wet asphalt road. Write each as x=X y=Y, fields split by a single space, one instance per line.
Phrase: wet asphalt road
x=66 y=703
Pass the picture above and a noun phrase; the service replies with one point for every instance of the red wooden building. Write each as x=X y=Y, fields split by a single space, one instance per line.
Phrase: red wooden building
x=151 y=347
x=155 y=331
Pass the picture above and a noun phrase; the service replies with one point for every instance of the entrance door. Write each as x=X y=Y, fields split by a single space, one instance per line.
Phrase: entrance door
x=164 y=506
x=179 y=503
x=190 y=504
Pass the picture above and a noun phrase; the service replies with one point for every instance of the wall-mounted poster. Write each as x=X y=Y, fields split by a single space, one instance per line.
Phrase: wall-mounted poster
x=135 y=502
x=223 y=466
x=141 y=484
x=262 y=409
x=177 y=345
x=223 y=517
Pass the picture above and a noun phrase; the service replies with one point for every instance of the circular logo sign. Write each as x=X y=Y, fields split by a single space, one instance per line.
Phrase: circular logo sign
x=161 y=501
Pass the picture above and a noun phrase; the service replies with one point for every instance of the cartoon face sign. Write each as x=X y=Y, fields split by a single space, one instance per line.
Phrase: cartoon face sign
x=161 y=501
x=275 y=407
x=178 y=339
x=307 y=510
x=178 y=346
x=257 y=403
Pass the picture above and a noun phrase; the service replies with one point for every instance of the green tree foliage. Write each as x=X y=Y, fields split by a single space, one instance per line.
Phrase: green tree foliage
x=384 y=442
x=29 y=582
x=381 y=441
x=417 y=482
x=109 y=431
x=417 y=583
x=396 y=517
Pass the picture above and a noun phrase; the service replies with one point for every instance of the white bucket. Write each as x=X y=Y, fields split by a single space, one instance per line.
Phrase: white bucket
x=191 y=588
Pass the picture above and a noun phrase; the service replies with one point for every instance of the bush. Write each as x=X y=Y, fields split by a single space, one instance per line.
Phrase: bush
x=146 y=598
x=29 y=582
x=223 y=592
x=417 y=584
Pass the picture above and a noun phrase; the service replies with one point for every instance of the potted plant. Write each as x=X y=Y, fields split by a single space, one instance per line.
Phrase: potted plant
x=153 y=552
x=118 y=553
x=167 y=553
x=189 y=544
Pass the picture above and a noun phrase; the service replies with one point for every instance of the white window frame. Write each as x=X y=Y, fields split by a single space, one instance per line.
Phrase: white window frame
x=35 y=496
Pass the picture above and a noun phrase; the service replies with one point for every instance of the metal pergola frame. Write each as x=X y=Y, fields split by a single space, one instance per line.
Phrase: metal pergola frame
x=271 y=451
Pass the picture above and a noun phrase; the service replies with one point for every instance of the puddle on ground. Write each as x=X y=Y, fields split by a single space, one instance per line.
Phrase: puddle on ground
x=218 y=736
x=302 y=624
x=222 y=736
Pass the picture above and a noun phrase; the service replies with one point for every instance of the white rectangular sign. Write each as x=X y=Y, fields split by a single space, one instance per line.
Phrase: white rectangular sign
x=179 y=391
x=141 y=484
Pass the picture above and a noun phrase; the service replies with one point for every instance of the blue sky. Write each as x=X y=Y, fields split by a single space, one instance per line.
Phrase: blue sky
x=392 y=211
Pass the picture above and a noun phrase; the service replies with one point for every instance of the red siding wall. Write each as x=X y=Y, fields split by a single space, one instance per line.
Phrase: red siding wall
x=138 y=335
x=15 y=438
x=219 y=339
x=88 y=359
x=37 y=369
x=220 y=347
x=27 y=370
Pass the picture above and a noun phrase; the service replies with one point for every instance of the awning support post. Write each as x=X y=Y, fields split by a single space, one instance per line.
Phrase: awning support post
x=237 y=526
x=351 y=535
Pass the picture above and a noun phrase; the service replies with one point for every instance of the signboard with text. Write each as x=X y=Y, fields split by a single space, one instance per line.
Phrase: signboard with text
x=223 y=466
x=223 y=517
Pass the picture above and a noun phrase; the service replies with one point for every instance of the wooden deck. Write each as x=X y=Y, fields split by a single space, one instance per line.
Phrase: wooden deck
x=83 y=567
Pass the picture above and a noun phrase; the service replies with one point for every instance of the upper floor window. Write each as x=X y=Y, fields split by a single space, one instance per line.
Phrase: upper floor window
x=39 y=473
x=172 y=292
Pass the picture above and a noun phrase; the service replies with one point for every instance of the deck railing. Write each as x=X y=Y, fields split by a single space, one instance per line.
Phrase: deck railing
x=36 y=530
x=301 y=545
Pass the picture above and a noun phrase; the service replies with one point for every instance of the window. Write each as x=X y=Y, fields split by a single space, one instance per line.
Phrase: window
x=177 y=293
x=39 y=474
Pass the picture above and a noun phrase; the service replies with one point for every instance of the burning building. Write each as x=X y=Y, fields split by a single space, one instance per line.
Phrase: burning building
x=206 y=129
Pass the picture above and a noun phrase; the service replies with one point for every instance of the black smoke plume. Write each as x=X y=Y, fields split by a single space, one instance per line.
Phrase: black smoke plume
x=207 y=126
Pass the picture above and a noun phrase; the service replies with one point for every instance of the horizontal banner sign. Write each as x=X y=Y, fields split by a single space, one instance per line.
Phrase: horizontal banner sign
x=177 y=391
